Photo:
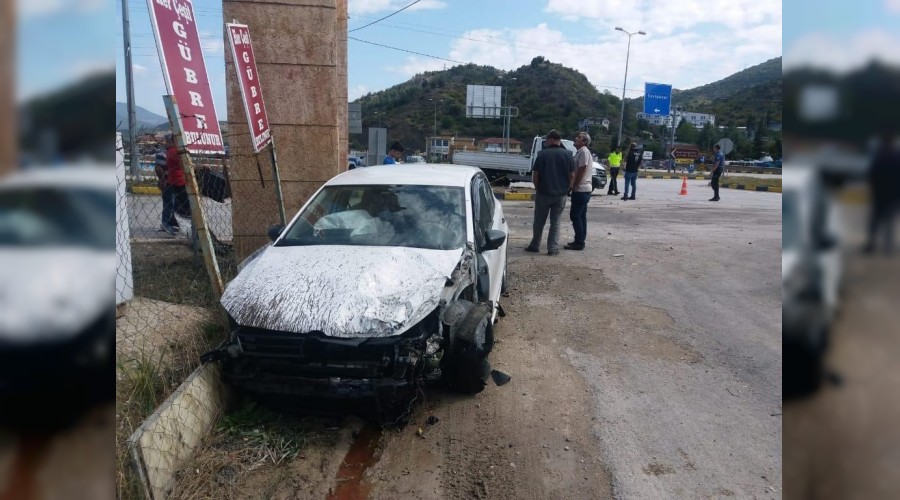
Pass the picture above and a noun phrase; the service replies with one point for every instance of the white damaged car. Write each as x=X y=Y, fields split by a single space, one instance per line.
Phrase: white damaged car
x=388 y=277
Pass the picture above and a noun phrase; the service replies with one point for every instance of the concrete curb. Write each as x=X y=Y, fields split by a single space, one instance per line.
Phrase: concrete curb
x=167 y=439
x=146 y=190
x=770 y=189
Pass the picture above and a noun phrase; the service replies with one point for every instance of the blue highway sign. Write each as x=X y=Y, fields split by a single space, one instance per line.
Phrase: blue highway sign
x=657 y=98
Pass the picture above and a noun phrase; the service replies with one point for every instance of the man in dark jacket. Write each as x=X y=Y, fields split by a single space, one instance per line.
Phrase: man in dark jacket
x=632 y=163
x=553 y=175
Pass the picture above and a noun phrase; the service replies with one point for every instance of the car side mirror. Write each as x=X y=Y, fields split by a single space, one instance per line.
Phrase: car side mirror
x=275 y=231
x=493 y=239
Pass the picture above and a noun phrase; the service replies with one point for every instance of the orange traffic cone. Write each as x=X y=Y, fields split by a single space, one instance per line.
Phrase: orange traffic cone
x=683 y=186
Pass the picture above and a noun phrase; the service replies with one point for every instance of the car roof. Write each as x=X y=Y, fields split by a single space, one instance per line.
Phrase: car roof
x=80 y=176
x=416 y=174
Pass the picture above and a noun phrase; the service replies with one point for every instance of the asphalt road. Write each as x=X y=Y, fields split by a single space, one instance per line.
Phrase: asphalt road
x=680 y=338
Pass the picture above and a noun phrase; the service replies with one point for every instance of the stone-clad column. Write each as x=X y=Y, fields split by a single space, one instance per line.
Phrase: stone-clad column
x=342 y=85
x=297 y=54
x=7 y=87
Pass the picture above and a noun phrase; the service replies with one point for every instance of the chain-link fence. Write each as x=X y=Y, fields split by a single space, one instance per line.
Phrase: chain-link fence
x=168 y=313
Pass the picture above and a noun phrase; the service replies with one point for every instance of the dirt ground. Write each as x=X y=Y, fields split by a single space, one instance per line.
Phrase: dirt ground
x=653 y=375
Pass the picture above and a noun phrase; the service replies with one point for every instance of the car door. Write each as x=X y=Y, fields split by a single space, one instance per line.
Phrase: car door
x=487 y=215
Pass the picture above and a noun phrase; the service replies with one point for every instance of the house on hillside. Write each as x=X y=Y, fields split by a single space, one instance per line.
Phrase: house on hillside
x=698 y=120
x=497 y=145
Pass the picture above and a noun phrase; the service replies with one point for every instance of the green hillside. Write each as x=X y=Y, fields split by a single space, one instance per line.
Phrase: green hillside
x=550 y=95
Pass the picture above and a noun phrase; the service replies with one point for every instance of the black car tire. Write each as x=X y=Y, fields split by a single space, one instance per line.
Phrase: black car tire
x=804 y=366
x=466 y=368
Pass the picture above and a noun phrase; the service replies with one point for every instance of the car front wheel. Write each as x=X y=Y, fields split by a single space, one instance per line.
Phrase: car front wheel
x=466 y=368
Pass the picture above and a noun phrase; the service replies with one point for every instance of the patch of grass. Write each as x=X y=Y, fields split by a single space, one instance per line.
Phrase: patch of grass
x=168 y=270
x=249 y=439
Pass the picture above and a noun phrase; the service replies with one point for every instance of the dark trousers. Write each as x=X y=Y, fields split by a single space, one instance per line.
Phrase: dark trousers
x=578 y=216
x=630 y=180
x=174 y=201
x=613 y=185
x=881 y=220
x=715 y=182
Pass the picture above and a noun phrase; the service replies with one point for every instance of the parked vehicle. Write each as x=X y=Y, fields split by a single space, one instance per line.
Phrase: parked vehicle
x=509 y=167
x=415 y=159
x=812 y=273
x=354 y=162
x=386 y=279
x=57 y=321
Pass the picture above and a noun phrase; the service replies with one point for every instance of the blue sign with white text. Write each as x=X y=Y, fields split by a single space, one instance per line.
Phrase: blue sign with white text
x=657 y=99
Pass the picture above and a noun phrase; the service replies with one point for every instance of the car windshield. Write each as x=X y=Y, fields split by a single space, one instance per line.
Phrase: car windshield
x=44 y=216
x=403 y=216
x=790 y=221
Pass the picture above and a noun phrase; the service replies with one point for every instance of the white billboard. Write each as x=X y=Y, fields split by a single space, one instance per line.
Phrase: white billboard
x=483 y=101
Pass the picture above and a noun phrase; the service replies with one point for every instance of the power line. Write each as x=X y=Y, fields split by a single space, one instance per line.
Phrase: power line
x=407 y=51
x=385 y=17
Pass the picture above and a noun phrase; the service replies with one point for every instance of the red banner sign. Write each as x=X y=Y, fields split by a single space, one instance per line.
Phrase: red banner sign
x=251 y=91
x=181 y=56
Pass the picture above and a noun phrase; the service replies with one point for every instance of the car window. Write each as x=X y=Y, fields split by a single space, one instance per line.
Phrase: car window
x=42 y=216
x=486 y=197
x=406 y=216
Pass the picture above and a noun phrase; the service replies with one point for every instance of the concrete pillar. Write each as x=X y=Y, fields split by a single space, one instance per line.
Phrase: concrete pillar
x=342 y=83
x=7 y=87
x=296 y=47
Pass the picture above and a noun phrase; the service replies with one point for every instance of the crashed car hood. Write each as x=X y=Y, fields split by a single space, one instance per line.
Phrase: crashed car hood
x=51 y=294
x=342 y=291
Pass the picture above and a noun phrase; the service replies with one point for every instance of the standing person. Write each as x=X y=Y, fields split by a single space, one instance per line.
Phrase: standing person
x=632 y=163
x=717 y=169
x=161 y=175
x=615 y=159
x=553 y=175
x=884 y=179
x=394 y=154
x=581 y=191
x=174 y=192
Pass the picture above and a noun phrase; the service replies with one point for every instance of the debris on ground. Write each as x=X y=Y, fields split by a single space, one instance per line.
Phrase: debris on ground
x=499 y=377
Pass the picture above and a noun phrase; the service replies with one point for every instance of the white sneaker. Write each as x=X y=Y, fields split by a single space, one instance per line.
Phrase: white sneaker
x=167 y=228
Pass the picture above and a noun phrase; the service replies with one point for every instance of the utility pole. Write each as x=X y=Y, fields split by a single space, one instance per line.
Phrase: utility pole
x=129 y=89
x=624 y=83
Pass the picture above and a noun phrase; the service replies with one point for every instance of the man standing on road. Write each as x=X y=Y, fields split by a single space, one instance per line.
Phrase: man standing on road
x=615 y=159
x=553 y=176
x=632 y=163
x=581 y=191
x=394 y=154
x=717 y=169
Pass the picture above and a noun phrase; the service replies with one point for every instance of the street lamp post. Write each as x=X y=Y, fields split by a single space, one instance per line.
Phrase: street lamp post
x=627 y=55
x=435 y=101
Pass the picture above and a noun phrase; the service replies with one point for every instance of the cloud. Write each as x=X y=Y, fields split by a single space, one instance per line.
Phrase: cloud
x=357 y=91
x=40 y=8
x=361 y=7
x=892 y=6
x=86 y=67
x=212 y=44
x=842 y=53
x=665 y=17
x=413 y=65
x=139 y=69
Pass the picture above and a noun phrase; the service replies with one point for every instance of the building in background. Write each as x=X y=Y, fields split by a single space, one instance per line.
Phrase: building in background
x=698 y=120
x=496 y=145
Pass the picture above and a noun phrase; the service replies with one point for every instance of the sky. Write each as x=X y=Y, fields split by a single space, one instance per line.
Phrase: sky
x=688 y=42
x=841 y=36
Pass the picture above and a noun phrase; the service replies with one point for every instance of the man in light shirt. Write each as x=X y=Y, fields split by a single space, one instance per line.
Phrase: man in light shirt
x=581 y=191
